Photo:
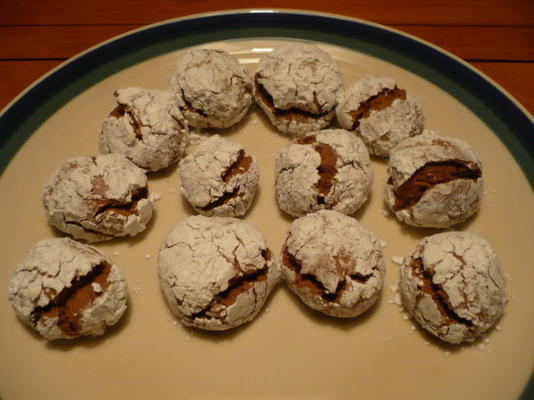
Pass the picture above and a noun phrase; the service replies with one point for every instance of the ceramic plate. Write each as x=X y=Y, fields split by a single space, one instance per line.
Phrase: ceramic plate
x=287 y=352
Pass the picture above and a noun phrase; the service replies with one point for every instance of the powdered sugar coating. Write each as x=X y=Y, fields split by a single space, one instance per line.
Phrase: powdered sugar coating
x=49 y=269
x=219 y=178
x=338 y=266
x=215 y=273
x=98 y=198
x=211 y=88
x=461 y=290
x=146 y=127
x=383 y=128
x=445 y=204
x=297 y=87
x=298 y=168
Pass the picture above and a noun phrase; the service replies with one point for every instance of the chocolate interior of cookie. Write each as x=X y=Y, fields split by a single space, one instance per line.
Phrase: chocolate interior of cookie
x=120 y=111
x=293 y=113
x=378 y=102
x=312 y=284
x=225 y=198
x=236 y=286
x=69 y=304
x=190 y=107
x=109 y=209
x=439 y=296
x=327 y=168
x=430 y=175
x=120 y=206
x=240 y=166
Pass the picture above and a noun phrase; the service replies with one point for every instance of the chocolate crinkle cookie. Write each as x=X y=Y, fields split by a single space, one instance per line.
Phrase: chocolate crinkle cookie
x=433 y=181
x=219 y=178
x=453 y=285
x=98 y=198
x=146 y=127
x=64 y=289
x=211 y=88
x=329 y=169
x=297 y=87
x=216 y=273
x=379 y=112
x=333 y=264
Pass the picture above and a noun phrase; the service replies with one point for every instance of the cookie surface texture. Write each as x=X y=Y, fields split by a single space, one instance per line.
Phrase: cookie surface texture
x=211 y=88
x=297 y=88
x=216 y=273
x=329 y=169
x=434 y=181
x=219 y=178
x=380 y=113
x=453 y=285
x=98 y=198
x=64 y=289
x=146 y=127
x=333 y=263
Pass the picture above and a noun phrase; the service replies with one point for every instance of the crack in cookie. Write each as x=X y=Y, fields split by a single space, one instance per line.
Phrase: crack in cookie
x=292 y=113
x=439 y=296
x=236 y=286
x=224 y=199
x=311 y=283
x=69 y=304
x=189 y=107
x=239 y=166
x=121 y=206
x=327 y=168
x=430 y=175
x=380 y=101
x=120 y=111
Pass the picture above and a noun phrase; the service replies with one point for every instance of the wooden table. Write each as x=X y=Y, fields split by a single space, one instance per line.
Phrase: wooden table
x=496 y=36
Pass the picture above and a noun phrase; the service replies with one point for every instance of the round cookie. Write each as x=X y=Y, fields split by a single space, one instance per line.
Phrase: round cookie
x=219 y=178
x=433 y=181
x=330 y=169
x=98 y=198
x=333 y=264
x=297 y=87
x=64 y=289
x=211 y=88
x=453 y=285
x=215 y=273
x=379 y=112
x=146 y=127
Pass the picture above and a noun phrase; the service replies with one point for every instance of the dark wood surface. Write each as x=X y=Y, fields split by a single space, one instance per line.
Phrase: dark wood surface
x=495 y=36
